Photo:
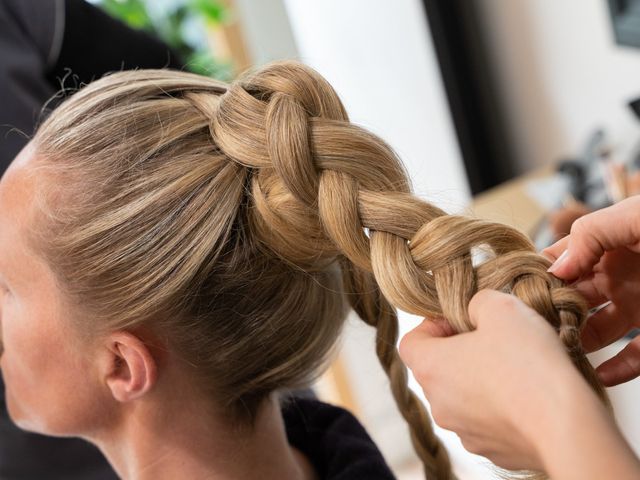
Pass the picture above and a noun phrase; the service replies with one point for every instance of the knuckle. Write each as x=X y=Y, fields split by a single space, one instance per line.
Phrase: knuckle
x=478 y=301
x=489 y=302
x=472 y=446
x=506 y=302
x=632 y=207
x=423 y=373
x=417 y=363
x=440 y=416
x=631 y=203
x=630 y=356
x=580 y=226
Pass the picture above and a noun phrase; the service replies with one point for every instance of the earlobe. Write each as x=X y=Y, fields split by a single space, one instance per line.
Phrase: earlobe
x=132 y=371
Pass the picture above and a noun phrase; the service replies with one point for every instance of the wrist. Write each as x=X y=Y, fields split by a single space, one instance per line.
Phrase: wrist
x=577 y=437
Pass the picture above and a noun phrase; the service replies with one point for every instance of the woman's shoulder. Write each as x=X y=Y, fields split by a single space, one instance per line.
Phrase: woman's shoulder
x=333 y=440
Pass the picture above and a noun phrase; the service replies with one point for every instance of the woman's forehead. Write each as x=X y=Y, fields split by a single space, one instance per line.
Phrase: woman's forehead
x=21 y=267
x=25 y=155
x=18 y=187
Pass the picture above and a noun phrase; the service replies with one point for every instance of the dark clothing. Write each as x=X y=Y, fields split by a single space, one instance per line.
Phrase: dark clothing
x=27 y=52
x=43 y=42
x=95 y=43
x=334 y=441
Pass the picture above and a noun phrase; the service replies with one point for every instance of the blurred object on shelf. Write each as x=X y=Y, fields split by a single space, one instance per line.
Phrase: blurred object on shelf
x=633 y=183
x=226 y=40
x=614 y=175
x=545 y=203
x=594 y=180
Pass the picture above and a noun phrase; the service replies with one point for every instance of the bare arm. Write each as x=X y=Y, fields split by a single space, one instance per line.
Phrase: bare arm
x=510 y=392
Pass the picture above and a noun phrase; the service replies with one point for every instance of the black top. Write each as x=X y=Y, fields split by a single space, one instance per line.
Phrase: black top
x=27 y=51
x=333 y=440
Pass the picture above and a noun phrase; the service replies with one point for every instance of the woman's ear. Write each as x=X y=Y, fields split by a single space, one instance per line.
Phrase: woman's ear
x=129 y=369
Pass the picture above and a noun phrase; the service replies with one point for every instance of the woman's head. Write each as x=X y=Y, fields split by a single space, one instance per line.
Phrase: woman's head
x=43 y=357
x=225 y=225
x=146 y=223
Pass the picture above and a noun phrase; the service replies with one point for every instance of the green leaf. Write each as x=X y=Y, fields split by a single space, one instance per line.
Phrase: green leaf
x=203 y=63
x=212 y=10
x=132 y=12
x=175 y=26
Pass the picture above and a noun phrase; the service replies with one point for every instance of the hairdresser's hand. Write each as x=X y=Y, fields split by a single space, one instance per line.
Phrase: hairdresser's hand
x=475 y=381
x=510 y=392
x=603 y=255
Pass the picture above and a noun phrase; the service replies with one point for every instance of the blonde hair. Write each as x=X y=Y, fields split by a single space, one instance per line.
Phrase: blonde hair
x=231 y=218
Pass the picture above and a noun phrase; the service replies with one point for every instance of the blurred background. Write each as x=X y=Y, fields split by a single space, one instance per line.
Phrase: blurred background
x=522 y=111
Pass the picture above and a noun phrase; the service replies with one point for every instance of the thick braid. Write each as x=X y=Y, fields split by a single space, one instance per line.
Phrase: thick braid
x=318 y=181
x=283 y=127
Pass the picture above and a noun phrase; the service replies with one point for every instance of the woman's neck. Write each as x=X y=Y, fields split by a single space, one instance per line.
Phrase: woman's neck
x=180 y=439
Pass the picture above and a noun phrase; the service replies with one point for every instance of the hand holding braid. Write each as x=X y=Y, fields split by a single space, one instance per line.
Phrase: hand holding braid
x=317 y=181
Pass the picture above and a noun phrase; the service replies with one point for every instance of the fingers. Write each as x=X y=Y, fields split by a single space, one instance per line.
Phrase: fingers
x=491 y=305
x=436 y=327
x=594 y=234
x=554 y=251
x=414 y=344
x=590 y=289
x=623 y=367
x=604 y=328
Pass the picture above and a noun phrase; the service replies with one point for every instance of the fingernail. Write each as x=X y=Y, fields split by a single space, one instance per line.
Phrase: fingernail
x=559 y=261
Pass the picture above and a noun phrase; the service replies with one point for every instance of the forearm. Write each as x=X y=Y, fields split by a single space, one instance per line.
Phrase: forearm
x=579 y=440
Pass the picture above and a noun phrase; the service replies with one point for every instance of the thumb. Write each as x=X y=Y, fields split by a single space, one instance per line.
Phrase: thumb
x=418 y=341
x=436 y=327
x=596 y=233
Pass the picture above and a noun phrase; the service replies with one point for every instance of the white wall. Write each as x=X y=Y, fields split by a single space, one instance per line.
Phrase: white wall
x=379 y=57
x=561 y=74
x=266 y=29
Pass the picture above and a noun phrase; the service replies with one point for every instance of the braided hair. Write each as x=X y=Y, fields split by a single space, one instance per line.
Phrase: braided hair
x=234 y=219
